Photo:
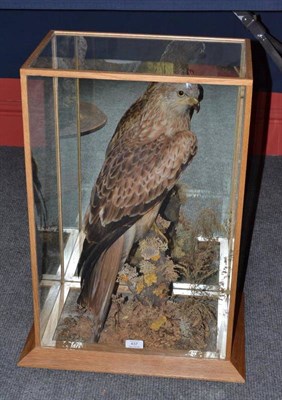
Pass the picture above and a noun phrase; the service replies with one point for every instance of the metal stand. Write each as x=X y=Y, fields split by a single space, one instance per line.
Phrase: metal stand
x=271 y=45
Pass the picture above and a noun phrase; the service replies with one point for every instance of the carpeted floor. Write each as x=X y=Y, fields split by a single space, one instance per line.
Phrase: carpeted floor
x=263 y=282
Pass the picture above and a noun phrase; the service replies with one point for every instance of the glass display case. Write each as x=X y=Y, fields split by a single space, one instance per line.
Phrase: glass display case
x=136 y=149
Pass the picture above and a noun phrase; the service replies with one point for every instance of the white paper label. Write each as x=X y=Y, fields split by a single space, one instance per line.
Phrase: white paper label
x=134 y=344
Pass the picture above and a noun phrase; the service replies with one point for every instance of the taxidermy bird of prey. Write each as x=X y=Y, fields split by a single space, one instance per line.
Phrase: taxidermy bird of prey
x=150 y=148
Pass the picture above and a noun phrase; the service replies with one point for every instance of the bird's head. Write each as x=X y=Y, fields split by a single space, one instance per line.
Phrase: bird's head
x=180 y=97
x=185 y=97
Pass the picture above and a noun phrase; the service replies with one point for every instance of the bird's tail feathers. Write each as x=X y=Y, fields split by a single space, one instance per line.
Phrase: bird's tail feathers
x=100 y=264
x=103 y=281
x=86 y=250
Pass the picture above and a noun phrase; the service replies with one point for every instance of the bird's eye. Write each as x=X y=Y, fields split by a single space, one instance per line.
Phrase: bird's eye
x=180 y=93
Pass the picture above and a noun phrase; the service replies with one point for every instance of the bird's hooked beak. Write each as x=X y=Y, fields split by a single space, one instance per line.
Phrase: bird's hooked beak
x=193 y=102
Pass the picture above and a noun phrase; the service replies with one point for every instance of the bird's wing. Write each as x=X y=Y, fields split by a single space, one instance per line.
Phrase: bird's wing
x=129 y=125
x=134 y=178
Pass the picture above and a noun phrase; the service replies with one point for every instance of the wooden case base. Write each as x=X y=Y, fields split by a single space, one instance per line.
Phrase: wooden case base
x=138 y=362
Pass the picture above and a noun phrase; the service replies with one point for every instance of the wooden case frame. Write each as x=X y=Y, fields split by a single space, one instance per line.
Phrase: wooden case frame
x=98 y=357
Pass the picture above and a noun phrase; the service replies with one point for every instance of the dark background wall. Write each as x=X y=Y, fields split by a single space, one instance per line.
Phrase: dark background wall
x=21 y=30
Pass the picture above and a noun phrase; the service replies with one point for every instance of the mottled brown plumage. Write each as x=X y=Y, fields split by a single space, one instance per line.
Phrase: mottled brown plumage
x=152 y=144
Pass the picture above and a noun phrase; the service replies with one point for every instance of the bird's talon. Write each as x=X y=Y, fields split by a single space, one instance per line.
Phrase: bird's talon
x=159 y=232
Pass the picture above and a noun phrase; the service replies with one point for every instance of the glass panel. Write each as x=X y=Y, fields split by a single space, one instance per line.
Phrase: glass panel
x=69 y=139
x=46 y=57
x=41 y=120
x=67 y=100
x=154 y=56
x=45 y=180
